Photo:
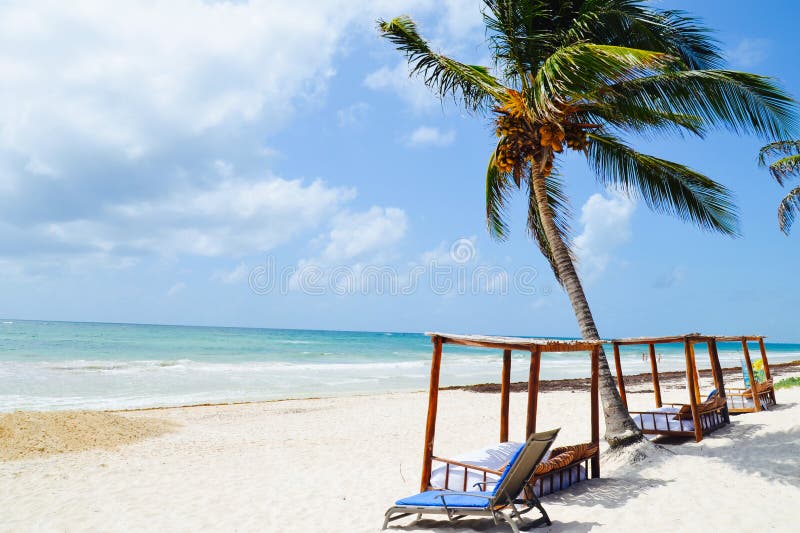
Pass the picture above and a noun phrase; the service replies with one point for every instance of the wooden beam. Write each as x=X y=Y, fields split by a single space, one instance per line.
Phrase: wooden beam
x=595 y=401
x=753 y=384
x=764 y=357
x=654 y=372
x=655 y=340
x=690 y=382
x=735 y=338
x=620 y=380
x=714 y=375
x=517 y=343
x=533 y=391
x=696 y=375
x=719 y=378
x=430 y=424
x=505 y=393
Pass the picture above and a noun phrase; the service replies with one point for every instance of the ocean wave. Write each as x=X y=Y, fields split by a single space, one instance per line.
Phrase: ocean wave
x=118 y=383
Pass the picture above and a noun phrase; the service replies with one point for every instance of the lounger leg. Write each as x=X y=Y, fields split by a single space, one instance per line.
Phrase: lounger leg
x=510 y=521
x=538 y=504
x=387 y=518
x=392 y=510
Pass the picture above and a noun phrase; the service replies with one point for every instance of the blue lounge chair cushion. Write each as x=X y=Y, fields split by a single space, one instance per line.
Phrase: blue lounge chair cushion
x=453 y=499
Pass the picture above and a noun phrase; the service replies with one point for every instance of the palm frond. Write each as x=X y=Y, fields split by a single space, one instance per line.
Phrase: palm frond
x=519 y=42
x=663 y=185
x=685 y=37
x=777 y=148
x=572 y=71
x=631 y=24
x=498 y=188
x=559 y=206
x=785 y=167
x=788 y=209
x=738 y=101
x=630 y=117
x=473 y=84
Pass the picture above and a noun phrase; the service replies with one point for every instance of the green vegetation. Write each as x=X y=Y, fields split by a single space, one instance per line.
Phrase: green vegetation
x=787 y=383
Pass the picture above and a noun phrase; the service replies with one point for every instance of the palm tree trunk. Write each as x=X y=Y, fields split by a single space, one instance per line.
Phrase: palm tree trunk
x=620 y=428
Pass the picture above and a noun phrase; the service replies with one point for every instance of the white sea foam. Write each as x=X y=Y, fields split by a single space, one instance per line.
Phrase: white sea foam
x=42 y=370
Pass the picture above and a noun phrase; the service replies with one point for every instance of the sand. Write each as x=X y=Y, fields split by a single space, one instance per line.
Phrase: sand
x=334 y=465
x=32 y=434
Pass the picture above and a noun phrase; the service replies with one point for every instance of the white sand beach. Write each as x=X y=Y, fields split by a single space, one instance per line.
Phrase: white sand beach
x=336 y=465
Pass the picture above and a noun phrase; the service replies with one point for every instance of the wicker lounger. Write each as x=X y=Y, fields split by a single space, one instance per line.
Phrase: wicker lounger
x=740 y=400
x=488 y=503
x=663 y=421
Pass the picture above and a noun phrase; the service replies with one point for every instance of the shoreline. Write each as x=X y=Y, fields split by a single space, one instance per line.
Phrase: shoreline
x=669 y=379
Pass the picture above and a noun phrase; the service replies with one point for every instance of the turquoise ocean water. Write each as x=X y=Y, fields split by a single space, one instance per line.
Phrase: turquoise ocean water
x=68 y=365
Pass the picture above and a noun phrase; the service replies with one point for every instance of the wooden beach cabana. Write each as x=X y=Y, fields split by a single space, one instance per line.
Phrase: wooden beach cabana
x=567 y=465
x=740 y=399
x=694 y=419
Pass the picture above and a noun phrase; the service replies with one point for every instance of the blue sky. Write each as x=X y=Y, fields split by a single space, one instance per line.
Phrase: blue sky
x=158 y=158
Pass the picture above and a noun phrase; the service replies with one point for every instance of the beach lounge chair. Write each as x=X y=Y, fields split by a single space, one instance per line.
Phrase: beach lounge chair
x=499 y=504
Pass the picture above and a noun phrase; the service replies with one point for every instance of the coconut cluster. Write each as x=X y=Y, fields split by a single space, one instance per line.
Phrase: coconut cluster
x=524 y=141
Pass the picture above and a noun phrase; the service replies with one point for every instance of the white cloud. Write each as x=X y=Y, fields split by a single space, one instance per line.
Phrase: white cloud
x=410 y=89
x=357 y=248
x=606 y=226
x=461 y=19
x=458 y=252
x=369 y=234
x=352 y=115
x=749 y=53
x=430 y=136
x=231 y=218
x=229 y=277
x=115 y=117
x=131 y=74
x=176 y=289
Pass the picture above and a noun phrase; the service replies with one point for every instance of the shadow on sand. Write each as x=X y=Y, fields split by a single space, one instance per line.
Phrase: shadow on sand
x=487 y=526
x=607 y=492
x=751 y=449
x=754 y=451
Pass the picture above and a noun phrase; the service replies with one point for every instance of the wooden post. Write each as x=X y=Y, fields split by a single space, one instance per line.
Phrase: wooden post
x=533 y=391
x=764 y=357
x=753 y=384
x=505 y=392
x=698 y=429
x=654 y=371
x=430 y=424
x=766 y=366
x=697 y=396
x=620 y=381
x=714 y=375
x=595 y=402
x=719 y=378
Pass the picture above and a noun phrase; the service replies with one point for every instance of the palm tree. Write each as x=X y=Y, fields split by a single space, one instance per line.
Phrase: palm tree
x=580 y=75
x=785 y=167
